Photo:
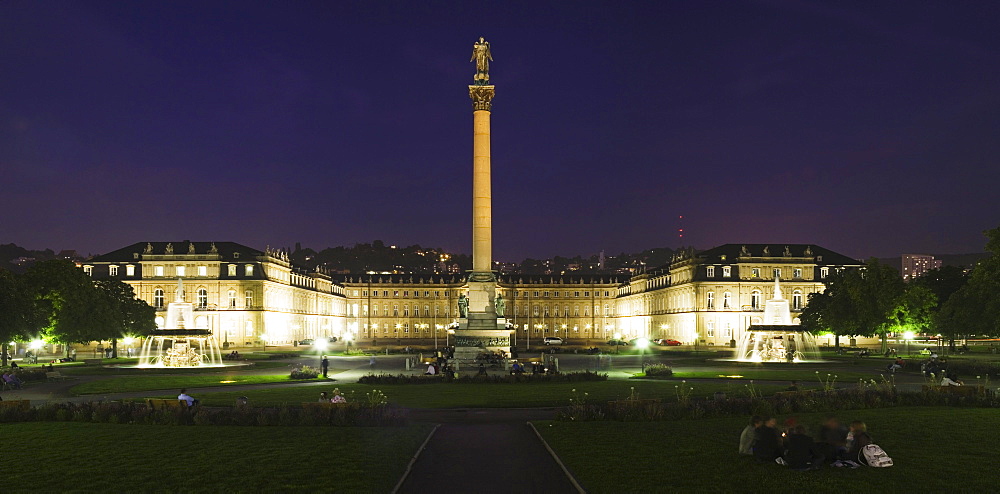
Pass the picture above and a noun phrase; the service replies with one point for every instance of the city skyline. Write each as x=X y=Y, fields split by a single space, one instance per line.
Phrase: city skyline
x=863 y=128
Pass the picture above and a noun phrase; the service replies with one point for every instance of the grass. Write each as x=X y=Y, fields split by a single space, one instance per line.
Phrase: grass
x=90 y=370
x=143 y=458
x=700 y=456
x=802 y=376
x=490 y=395
x=150 y=383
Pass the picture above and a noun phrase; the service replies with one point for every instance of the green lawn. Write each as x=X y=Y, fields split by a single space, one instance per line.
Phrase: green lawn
x=934 y=450
x=92 y=370
x=64 y=457
x=446 y=395
x=802 y=376
x=149 y=383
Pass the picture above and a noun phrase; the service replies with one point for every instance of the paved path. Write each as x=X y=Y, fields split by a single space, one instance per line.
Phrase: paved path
x=485 y=451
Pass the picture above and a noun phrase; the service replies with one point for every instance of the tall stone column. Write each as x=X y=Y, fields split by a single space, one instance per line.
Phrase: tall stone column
x=482 y=283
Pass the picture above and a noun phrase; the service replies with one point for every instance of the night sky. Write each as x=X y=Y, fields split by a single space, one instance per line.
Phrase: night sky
x=871 y=128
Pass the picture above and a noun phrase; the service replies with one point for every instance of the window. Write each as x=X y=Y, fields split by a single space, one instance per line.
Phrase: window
x=727 y=331
x=180 y=270
x=824 y=272
x=406 y=293
x=202 y=270
x=395 y=311
x=158 y=298
x=129 y=270
x=231 y=296
x=158 y=270
x=711 y=300
x=727 y=271
x=406 y=311
x=535 y=295
x=202 y=298
x=710 y=271
x=427 y=310
x=777 y=272
x=535 y=310
x=248 y=298
x=113 y=270
x=755 y=299
x=232 y=270
x=755 y=272
x=248 y=270
x=710 y=328
x=546 y=294
x=797 y=300
x=375 y=310
x=727 y=300
x=797 y=273
x=249 y=328
x=586 y=294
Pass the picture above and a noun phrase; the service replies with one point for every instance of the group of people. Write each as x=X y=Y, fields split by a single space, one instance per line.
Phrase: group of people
x=791 y=444
x=11 y=379
x=337 y=397
x=233 y=355
x=939 y=367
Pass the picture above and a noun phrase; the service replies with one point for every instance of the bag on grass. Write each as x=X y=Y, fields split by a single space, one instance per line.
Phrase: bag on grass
x=875 y=456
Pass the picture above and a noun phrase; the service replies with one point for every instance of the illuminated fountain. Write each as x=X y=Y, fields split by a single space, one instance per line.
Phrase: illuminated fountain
x=180 y=345
x=777 y=340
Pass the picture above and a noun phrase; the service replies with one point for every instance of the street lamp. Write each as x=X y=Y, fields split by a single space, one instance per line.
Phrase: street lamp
x=263 y=339
x=642 y=344
x=908 y=335
x=437 y=327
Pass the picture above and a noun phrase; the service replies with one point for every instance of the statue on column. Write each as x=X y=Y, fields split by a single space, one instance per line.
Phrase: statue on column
x=501 y=305
x=463 y=306
x=482 y=56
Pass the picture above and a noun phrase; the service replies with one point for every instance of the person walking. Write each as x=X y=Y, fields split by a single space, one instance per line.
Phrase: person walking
x=325 y=365
x=371 y=362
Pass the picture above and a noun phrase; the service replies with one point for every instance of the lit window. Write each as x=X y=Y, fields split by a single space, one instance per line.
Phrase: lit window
x=232 y=298
x=158 y=270
x=406 y=293
x=406 y=311
x=710 y=271
x=797 y=300
x=248 y=271
x=777 y=272
x=824 y=272
x=710 y=328
x=129 y=270
x=711 y=300
x=202 y=270
x=395 y=311
x=755 y=299
x=727 y=331
x=727 y=300
x=202 y=298
x=249 y=328
x=726 y=271
x=797 y=273
x=158 y=298
x=113 y=270
x=755 y=272
x=179 y=270
x=248 y=298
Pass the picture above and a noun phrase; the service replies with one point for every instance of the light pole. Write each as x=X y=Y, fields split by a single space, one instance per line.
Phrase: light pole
x=642 y=344
x=437 y=328
x=908 y=335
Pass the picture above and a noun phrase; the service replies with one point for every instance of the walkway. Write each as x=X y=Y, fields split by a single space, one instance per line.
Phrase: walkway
x=485 y=451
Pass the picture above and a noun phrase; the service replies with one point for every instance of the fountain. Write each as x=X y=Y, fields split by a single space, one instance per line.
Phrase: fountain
x=777 y=340
x=180 y=346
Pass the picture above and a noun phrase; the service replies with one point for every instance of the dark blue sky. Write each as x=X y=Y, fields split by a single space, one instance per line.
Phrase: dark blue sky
x=871 y=128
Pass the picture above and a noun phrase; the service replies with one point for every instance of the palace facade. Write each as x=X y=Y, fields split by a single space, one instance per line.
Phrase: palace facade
x=249 y=296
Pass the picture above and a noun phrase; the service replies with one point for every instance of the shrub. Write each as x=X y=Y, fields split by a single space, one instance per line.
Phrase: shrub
x=659 y=370
x=305 y=372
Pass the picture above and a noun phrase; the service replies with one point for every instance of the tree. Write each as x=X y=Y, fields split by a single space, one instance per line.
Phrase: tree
x=69 y=308
x=15 y=312
x=975 y=307
x=128 y=314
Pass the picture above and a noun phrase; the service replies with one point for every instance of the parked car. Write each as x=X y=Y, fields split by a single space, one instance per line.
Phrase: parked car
x=553 y=340
x=667 y=342
x=617 y=342
x=306 y=342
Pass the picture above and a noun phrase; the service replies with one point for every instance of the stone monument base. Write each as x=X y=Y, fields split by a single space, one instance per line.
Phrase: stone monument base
x=481 y=332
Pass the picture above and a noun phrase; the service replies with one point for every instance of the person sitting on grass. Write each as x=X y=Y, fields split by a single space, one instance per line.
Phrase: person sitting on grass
x=767 y=441
x=748 y=435
x=430 y=369
x=951 y=380
x=323 y=398
x=190 y=400
x=337 y=397
x=801 y=452
x=857 y=439
x=832 y=439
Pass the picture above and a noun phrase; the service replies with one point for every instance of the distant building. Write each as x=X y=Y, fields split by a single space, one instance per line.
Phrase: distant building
x=915 y=265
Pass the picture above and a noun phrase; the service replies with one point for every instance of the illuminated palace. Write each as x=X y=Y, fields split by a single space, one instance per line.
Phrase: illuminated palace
x=245 y=296
x=248 y=296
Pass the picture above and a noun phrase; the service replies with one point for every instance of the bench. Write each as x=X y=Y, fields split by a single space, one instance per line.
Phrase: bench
x=971 y=390
x=162 y=404
x=16 y=404
x=93 y=361
x=54 y=376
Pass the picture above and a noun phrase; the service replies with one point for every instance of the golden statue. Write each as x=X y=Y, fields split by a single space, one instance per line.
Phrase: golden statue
x=482 y=56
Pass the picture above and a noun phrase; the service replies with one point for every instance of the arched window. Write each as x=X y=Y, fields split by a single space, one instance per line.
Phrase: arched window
x=755 y=299
x=727 y=300
x=232 y=298
x=248 y=298
x=797 y=300
x=158 y=298
x=202 y=298
x=711 y=300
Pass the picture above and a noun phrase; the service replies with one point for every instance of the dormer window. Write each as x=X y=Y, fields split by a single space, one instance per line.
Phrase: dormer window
x=236 y=255
x=710 y=271
x=726 y=271
x=113 y=270
x=231 y=270
x=129 y=270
